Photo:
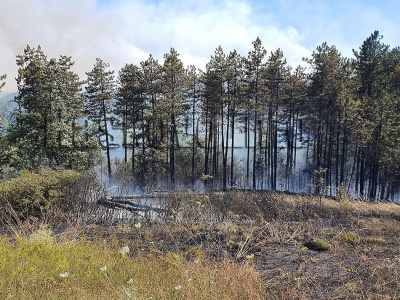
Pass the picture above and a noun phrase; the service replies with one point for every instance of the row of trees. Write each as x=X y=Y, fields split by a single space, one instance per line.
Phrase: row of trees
x=338 y=114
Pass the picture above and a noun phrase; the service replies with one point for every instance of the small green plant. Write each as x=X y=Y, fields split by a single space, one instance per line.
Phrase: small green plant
x=347 y=269
x=42 y=236
x=317 y=245
x=351 y=238
x=206 y=177
x=342 y=193
x=319 y=184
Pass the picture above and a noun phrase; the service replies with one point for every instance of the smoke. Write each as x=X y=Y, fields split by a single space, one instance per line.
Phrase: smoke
x=127 y=31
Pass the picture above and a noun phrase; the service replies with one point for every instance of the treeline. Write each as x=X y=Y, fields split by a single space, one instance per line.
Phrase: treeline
x=333 y=124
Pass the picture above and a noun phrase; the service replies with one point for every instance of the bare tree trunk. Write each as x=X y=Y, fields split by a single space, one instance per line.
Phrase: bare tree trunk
x=248 y=151
x=194 y=138
x=255 y=143
x=172 y=152
x=133 y=151
x=233 y=140
x=107 y=141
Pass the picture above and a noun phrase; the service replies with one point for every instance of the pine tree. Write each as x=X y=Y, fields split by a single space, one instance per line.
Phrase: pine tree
x=129 y=105
x=49 y=107
x=217 y=66
x=193 y=95
x=323 y=93
x=293 y=99
x=255 y=90
x=371 y=67
x=275 y=76
x=234 y=78
x=100 y=92
x=174 y=86
x=34 y=107
x=210 y=110
x=153 y=124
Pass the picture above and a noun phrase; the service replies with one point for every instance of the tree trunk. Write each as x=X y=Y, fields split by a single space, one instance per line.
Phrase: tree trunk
x=107 y=141
x=248 y=151
x=255 y=144
x=193 y=135
x=172 y=152
x=233 y=140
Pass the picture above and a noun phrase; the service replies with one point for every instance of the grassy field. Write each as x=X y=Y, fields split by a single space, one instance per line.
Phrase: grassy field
x=233 y=245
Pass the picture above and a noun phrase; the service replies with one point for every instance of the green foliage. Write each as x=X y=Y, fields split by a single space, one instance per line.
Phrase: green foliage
x=100 y=91
x=129 y=105
x=35 y=195
x=183 y=161
x=26 y=143
x=206 y=178
x=171 y=105
x=319 y=184
x=49 y=108
x=342 y=193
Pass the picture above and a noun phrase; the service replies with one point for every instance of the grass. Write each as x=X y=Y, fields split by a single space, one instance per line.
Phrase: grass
x=84 y=269
x=233 y=245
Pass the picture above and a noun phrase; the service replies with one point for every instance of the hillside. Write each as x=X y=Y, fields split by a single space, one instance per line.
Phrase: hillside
x=6 y=104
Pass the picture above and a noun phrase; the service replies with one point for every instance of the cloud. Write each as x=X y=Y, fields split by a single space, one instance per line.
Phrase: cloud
x=127 y=31
x=345 y=24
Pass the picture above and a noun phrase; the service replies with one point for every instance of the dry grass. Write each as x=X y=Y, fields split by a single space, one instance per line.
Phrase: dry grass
x=84 y=269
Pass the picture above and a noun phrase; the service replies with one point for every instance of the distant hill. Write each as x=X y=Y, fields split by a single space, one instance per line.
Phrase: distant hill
x=8 y=95
x=6 y=103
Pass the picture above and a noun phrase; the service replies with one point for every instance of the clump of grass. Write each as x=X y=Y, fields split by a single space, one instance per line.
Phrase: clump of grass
x=317 y=245
x=372 y=240
x=351 y=238
x=83 y=269
x=354 y=239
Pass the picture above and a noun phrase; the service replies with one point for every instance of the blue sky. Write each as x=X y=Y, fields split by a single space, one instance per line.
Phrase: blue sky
x=127 y=31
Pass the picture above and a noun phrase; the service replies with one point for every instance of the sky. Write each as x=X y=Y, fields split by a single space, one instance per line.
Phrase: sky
x=127 y=31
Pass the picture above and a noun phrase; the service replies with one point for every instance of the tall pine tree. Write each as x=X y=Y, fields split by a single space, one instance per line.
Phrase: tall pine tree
x=100 y=92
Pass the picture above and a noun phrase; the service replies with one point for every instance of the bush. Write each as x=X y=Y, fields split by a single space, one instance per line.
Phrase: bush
x=35 y=195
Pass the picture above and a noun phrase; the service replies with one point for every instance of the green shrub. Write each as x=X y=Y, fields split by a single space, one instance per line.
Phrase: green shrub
x=34 y=195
